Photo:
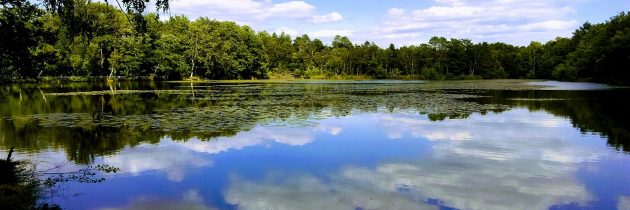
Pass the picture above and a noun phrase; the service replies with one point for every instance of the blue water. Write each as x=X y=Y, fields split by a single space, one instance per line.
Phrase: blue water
x=325 y=145
x=512 y=160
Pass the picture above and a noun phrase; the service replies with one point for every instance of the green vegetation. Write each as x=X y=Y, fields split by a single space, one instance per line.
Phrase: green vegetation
x=22 y=186
x=88 y=120
x=89 y=39
x=589 y=111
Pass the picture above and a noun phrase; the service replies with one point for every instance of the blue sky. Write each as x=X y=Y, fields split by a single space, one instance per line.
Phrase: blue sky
x=407 y=22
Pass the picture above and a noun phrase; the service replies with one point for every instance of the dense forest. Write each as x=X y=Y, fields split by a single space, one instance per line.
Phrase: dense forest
x=93 y=39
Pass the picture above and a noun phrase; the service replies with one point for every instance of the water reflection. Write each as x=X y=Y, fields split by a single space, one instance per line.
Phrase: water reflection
x=507 y=163
x=128 y=119
x=167 y=157
x=328 y=146
x=309 y=192
x=624 y=202
x=555 y=85
x=190 y=200
x=590 y=111
x=432 y=167
x=488 y=167
x=174 y=157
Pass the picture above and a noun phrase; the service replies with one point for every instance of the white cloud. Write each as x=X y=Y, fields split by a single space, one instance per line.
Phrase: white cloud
x=146 y=157
x=242 y=10
x=513 y=21
x=190 y=199
x=475 y=163
x=294 y=136
x=308 y=192
x=453 y=136
x=538 y=130
x=290 y=9
x=396 y=11
x=328 y=18
x=623 y=202
x=287 y=31
x=450 y=12
x=181 y=155
x=477 y=183
x=173 y=158
x=549 y=25
x=329 y=129
x=327 y=33
x=257 y=136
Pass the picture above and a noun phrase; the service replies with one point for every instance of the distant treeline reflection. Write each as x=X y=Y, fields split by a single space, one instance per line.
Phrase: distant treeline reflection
x=590 y=111
x=89 y=124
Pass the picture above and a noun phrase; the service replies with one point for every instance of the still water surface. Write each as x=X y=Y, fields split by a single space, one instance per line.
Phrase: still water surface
x=328 y=145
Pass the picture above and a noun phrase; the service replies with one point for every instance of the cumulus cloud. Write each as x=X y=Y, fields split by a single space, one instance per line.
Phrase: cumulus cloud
x=294 y=136
x=243 y=10
x=532 y=170
x=327 y=33
x=328 y=18
x=395 y=11
x=328 y=128
x=172 y=161
x=173 y=158
x=263 y=14
x=514 y=21
x=308 y=192
x=472 y=183
x=623 y=202
x=287 y=31
x=251 y=11
x=546 y=133
x=475 y=163
x=549 y=25
x=188 y=200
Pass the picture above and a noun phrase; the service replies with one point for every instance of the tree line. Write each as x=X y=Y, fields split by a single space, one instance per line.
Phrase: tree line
x=98 y=39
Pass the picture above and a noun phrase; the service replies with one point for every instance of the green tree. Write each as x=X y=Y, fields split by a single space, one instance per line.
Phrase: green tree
x=172 y=45
x=278 y=50
x=19 y=25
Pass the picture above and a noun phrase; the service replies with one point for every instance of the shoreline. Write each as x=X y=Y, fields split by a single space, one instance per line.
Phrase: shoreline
x=468 y=81
x=65 y=79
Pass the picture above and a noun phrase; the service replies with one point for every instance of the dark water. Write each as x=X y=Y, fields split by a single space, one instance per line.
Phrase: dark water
x=326 y=145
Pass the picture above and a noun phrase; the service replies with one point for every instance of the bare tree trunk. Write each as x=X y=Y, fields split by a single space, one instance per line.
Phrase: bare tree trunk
x=192 y=89
x=111 y=72
x=10 y=153
x=413 y=62
x=192 y=68
x=102 y=59
x=471 y=67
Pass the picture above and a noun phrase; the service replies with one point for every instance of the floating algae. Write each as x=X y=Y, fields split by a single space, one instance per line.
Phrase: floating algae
x=110 y=119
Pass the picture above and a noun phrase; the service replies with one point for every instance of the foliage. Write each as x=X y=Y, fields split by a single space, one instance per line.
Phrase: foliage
x=85 y=38
x=602 y=52
x=19 y=186
x=22 y=186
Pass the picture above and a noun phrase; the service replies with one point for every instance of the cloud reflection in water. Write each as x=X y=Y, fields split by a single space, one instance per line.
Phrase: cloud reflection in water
x=512 y=160
x=173 y=157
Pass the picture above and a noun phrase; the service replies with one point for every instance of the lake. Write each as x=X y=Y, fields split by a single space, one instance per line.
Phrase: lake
x=498 y=144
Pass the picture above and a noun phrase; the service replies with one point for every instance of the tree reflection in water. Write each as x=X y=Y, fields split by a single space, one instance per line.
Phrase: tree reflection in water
x=87 y=122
